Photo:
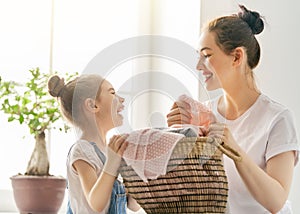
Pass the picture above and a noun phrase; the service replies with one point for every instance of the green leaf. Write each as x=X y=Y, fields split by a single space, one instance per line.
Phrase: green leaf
x=11 y=118
x=29 y=102
x=21 y=119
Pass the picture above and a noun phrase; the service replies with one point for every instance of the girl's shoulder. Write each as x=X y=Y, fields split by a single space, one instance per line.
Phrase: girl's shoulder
x=81 y=145
x=82 y=149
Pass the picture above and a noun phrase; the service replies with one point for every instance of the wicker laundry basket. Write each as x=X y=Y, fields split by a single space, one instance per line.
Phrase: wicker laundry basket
x=197 y=185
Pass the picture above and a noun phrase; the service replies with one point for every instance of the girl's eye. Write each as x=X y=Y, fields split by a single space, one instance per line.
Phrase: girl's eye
x=207 y=55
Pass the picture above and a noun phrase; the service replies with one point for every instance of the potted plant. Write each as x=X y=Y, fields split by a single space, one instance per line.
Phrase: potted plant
x=31 y=105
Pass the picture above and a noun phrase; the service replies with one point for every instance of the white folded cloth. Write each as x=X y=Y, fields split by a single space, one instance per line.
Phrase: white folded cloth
x=149 y=150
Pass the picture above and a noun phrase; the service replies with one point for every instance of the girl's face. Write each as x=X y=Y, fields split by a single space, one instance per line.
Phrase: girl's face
x=213 y=62
x=110 y=106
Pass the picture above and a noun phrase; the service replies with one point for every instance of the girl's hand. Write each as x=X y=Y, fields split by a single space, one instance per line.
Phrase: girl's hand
x=118 y=144
x=115 y=150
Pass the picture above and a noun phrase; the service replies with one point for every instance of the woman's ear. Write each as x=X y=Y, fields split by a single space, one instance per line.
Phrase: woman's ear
x=239 y=56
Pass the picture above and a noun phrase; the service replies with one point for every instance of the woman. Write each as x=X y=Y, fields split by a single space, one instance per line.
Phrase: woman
x=91 y=104
x=259 y=128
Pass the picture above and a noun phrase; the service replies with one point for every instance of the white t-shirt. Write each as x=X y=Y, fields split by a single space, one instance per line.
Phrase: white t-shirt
x=81 y=150
x=266 y=129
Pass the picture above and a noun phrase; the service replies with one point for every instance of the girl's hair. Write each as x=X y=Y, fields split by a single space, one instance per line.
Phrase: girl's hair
x=238 y=31
x=73 y=94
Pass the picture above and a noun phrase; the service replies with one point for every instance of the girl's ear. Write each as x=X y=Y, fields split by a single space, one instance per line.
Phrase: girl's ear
x=90 y=105
x=239 y=56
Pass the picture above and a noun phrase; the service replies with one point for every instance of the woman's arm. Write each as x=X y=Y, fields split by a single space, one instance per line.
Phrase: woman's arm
x=271 y=187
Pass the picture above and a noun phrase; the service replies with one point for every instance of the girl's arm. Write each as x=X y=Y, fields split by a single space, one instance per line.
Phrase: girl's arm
x=98 y=190
x=89 y=180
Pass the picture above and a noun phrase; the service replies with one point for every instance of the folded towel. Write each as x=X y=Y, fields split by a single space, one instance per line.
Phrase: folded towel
x=149 y=150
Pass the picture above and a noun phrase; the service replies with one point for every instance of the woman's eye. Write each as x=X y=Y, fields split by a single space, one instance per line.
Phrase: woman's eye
x=205 y=56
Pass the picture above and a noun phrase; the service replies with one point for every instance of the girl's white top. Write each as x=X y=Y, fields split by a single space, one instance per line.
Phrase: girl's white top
x=81 y=150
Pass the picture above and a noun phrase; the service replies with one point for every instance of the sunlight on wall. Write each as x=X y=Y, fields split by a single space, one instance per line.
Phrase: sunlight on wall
x=80 y=32
x=81 y=29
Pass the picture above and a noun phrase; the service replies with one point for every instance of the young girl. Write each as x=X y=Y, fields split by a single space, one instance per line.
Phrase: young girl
x=259 y=128
x=91 y=104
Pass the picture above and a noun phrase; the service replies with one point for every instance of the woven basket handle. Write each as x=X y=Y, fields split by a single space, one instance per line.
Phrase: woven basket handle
x=226 y=149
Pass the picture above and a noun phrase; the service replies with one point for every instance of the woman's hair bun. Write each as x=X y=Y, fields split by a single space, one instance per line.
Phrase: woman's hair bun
x=56 y=85
x=252 y=18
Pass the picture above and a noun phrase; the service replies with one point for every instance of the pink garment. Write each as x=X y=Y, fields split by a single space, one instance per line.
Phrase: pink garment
x=149 y=151
x=201 y=114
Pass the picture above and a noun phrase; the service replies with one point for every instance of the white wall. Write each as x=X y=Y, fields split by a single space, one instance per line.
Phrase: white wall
x=81 y=30
x=179 y=20
x=278 y=74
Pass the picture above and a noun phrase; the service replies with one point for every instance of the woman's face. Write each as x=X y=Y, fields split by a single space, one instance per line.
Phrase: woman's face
x=110 y=106
x=213 y=62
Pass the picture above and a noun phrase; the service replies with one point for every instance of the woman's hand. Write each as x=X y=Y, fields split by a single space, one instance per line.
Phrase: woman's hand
x=183 y=113
x=270 y=187
x=179 y=114
x=221 y=131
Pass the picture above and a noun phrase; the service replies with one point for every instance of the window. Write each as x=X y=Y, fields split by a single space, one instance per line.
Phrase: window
x=64 y=36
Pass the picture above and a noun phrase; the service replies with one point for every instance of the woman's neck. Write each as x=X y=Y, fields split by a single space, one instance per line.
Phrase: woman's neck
x=233 y=105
